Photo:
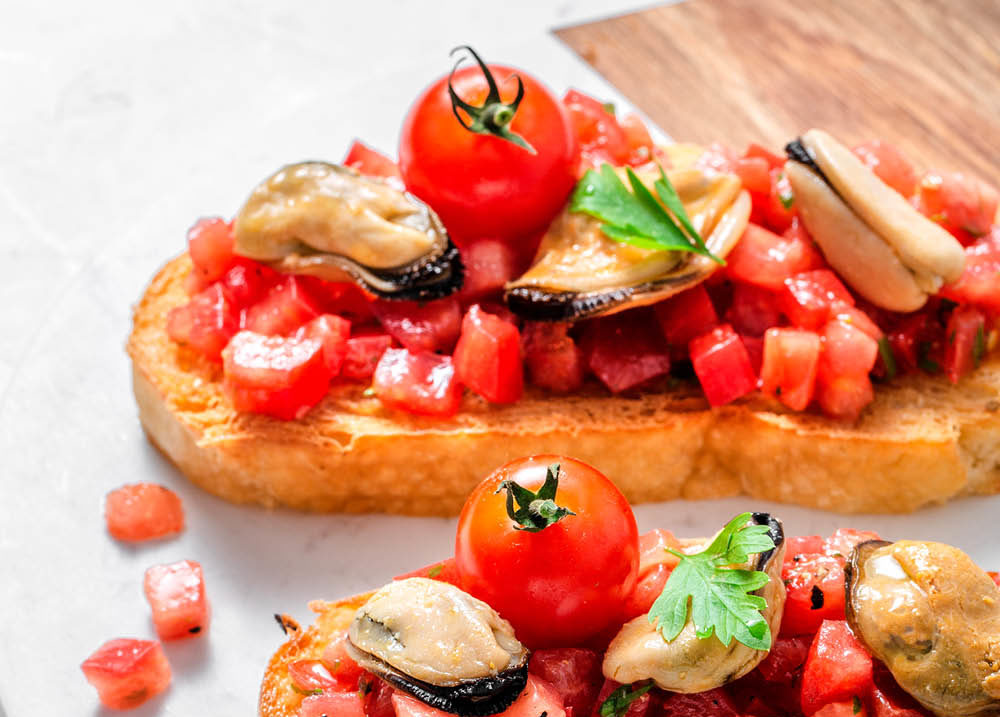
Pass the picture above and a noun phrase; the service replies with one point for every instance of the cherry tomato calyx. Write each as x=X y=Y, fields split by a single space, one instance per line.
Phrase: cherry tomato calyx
x=494 y=115
x=535 y=511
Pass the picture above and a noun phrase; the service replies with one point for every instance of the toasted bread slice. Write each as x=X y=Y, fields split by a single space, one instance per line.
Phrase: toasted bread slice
x=922 y=441
x=278 y=698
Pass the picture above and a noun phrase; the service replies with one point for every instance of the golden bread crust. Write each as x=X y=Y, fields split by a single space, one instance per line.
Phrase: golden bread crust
x=922 y=441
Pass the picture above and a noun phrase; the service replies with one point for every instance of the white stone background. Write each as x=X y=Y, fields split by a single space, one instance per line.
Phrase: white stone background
x=121 y=122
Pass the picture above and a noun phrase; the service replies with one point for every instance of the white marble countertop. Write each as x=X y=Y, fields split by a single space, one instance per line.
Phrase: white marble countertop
x=121 y=123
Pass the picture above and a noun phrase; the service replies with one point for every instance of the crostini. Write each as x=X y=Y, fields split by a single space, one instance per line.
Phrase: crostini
x=536 y=275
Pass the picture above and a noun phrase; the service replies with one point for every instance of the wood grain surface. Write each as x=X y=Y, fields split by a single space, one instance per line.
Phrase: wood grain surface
x=923 y=74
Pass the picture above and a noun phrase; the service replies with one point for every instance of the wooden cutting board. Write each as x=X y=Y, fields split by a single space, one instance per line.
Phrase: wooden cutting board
x=923 y=74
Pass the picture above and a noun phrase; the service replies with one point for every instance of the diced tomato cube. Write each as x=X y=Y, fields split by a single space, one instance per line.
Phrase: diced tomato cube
x=845 y=397
x=333 y=332
x=711 y=703
x=753 y=310
x=686 y=315
x=554 y=361
x=785 y=659
x=887 y=698
x=637 y=139
x=176 y=594
x=247 y=281
x=847 y=350
x=791 y=360
x=276 y=376
x=843 y=540
x=814 y=586
x=717 y=157
x=854 y=707
x=311 y=675
x=421 y=383
x=780 y=209
x=143 y=511
x=444 y=570
x=979 y=284
x=754 y=172
x=838 y=668
x=807 y=298
x=127 y=672
x=959 y=200
x=655 y=566
x=362 y=353
x=429 y=326
x=966 y=346
x=889 y=164
x=653 y=549
x=287 y=306
x=625 y=350
x=333 y=704
x=639 y=707
x=205 y=324
x=802 y=544
x=574 y=673
x=489 y=265
x=722 y=365
x=210 y=244
x=372 y=163
x=773 y=160
x=600 y=136
x=766 y=259
x=856 y=317
x=341 y=298
x=378 y=703
x=488 y=357
x=340 y=665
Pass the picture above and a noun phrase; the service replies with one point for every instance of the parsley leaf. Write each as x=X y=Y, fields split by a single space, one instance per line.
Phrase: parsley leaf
x=617 y=703
x=888 y=357
x=720 y=596
x=636 y=217
x=979 y=346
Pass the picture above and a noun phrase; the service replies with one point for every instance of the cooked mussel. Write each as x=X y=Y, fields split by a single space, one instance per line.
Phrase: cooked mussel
x=933 y=617
x=689 y=663
x=330 y=221
x=579 y=272
x=441 y=645
x=883 y=247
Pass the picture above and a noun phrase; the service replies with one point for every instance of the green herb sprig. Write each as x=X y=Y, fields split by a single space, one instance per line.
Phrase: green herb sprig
x=636 y=217
x=720 y=596
x=617 y=703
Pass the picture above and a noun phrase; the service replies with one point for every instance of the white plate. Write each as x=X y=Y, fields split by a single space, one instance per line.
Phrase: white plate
x=128 y=125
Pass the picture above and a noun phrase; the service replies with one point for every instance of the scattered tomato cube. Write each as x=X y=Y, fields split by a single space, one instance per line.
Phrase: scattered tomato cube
x=372 y=163
x=773 y=159
x=754 y=172
x=127 y=672
x=429 y=326
x=966 y=332
x=176 y=594
x=978 y=283
x=333 y=332
x=334 y=704
x=785 y=659
x=638 y=141
x=889 y=164
x=838 y=668
x=600 y=136
x=488 y=357
x=362 y=353
x=280 y=377
x=574 y=673
x=722 y=365
x=686 y=315
x=489 y=265
x=625 y=350
x=854 y=707
x=423 y=383
x=766 y=259
x=711 y=703
x=205 y=323
x=247 y=282
x=791 y=361
x=960 y=201
x=341 y=666
x=808 y=298
x=814 y=587
x=554 y=360
x=445 y=571
x=843 y=540
x=311 y=676
x=753 y=310
x=801 y=545
x=887 y=698
x=287 y=306
x=210 y=244
x=639 y=707
x=143 y=511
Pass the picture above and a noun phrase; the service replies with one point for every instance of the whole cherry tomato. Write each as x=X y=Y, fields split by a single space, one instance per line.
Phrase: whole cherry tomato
x=561 y=571
x=491 y=150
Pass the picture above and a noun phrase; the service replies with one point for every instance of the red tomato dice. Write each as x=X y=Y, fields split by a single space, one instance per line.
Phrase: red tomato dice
x=276 y=376
x=333 y=332
x=421 y=383
x=814 y=586
x=845 y=397
x=206 y=323
x=655 y=566
x=210 y=244
x=753 y=310
x=686 y=315
x=959 y=200
x=176 y=594
x=127 y=672
x=287 y=306
x=979 y=283
x=889 y=164
x=779 y=209
x=854 y=316
x=625 y=350
x=966 y=332
x=854 y=707
x=785 y=659
x=378 y=703
x=791 y=360
x=838 y=668
x=445 y=571
x=722 y=365
x=246 y=282
x=600 y=136
x=333 y=704
x=341 y=298
x=143 y=511
x=766 y=259
x=372 y=163
x=489 y=265
x=430 y=326
x=637 y=139
x=808 y=298
x=362 y=353
x=488 y=357
x=340 y=665
x=574 y=673
x=887 y=698
x=310 y=676
x=841 y=543
x=639 y=707
x=773 y=160
x=554 y=361
x=800 y=544
x=755 y=173
x=847 y=350
x=712 y=703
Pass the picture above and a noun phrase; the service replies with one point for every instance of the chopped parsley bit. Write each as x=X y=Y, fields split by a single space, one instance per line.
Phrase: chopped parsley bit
x=617 y=703
x=609 y=107
x=435 y=571
x=979 y=346
x=924 y=361
x=888 y=358
x=721 y=597
x=857 y=704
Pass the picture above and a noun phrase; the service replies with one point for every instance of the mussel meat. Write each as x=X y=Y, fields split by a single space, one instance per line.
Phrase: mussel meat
x=441 y=645
x=330 y=221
